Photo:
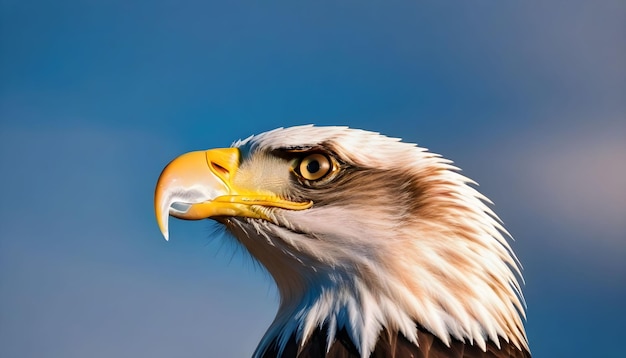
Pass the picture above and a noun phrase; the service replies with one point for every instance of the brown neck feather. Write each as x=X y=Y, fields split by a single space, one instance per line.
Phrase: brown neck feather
x=392 y=346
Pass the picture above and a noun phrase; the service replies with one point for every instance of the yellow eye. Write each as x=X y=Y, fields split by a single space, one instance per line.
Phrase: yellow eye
x=315 y=166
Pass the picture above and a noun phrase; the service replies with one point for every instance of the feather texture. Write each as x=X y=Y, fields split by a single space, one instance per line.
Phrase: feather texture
x=399 y=256
x=394 y=346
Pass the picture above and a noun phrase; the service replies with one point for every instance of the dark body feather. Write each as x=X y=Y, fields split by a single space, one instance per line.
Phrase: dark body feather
x=393 y=346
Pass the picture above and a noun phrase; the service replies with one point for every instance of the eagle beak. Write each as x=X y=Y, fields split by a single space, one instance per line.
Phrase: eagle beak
x=199 y=185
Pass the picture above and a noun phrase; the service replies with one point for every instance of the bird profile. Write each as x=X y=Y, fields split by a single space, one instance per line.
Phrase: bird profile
x=378 y=248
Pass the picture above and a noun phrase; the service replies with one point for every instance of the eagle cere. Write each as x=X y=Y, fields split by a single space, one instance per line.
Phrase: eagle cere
x=379 y=248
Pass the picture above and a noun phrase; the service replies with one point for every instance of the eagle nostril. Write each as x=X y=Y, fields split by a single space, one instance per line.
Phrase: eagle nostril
x=218 y=169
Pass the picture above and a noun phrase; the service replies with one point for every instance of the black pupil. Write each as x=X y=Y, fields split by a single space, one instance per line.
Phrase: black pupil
x=313 y=166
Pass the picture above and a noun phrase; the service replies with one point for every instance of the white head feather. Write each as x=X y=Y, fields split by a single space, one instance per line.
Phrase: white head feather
x=406 y=241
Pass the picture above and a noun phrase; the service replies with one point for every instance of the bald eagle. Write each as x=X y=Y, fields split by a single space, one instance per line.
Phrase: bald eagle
x=379 y=248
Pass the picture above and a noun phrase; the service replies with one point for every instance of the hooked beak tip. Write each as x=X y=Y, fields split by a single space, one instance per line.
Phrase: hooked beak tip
x=162 y=221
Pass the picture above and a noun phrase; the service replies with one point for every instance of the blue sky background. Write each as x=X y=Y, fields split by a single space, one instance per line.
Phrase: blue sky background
x=528 y=97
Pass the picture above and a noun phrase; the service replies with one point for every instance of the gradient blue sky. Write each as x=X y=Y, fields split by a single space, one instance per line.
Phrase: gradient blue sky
x=528 y=97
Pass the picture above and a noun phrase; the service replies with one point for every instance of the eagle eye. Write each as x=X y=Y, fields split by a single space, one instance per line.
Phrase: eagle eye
x=314 y=166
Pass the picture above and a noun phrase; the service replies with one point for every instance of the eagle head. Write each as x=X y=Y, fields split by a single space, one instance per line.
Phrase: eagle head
x=375 y=245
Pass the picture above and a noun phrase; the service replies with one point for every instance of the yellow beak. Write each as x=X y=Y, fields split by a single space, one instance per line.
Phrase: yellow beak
x=199 y=185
